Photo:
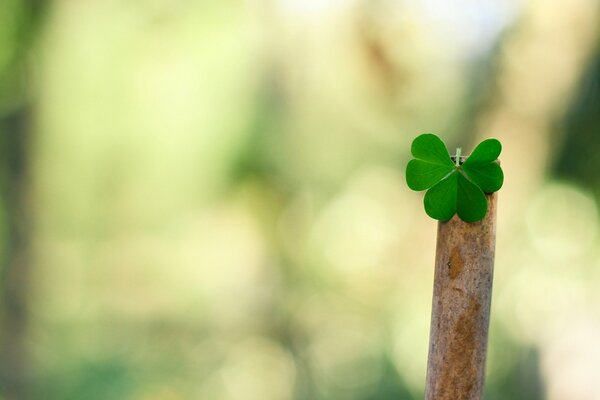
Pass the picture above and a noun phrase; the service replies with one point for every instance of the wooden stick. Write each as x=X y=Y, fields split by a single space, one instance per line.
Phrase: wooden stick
x=462 y=292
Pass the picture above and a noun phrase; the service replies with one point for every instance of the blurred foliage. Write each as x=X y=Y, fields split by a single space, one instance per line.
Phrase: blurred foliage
x=577 y=159
x=215 y=199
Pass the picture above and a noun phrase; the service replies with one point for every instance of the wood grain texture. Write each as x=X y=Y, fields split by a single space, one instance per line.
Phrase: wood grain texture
x=464 y=269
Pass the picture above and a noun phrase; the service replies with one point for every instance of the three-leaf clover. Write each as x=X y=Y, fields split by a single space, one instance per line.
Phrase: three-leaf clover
x=454 y=186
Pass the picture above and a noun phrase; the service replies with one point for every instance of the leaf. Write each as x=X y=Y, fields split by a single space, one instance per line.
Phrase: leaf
x=440 y=200
x=454 y=189
x=430 y=148
x=471 y=203
x=489 y=177
x=421 y=175
x=486 y=151
x=432 y=162
x=483 y=168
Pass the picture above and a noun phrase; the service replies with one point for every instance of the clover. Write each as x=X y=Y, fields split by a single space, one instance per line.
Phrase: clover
x=454 y=186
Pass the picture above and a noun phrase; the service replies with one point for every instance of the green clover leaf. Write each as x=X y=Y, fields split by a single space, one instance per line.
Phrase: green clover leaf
x=454 y=187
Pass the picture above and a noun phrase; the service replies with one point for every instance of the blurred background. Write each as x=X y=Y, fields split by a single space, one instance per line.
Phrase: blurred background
x=206 y=199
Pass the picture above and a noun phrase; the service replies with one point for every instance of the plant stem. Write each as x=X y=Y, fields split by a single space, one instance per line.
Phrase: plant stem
x=457 y=160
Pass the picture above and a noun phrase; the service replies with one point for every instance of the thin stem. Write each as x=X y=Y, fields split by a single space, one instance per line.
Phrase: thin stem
x=457 y=160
